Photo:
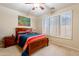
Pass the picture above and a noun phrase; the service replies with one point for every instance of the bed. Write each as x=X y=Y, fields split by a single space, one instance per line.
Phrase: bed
x=30 y=42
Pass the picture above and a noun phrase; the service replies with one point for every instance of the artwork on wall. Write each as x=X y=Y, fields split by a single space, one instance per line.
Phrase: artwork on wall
x=24 y=21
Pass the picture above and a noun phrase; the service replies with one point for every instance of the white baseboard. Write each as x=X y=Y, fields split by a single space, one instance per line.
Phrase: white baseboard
x=69 y=47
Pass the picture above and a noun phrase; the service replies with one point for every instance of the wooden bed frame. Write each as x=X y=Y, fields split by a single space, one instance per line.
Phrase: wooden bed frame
x=36 y=45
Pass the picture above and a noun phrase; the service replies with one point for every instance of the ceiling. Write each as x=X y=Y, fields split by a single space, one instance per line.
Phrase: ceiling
x=27 y=8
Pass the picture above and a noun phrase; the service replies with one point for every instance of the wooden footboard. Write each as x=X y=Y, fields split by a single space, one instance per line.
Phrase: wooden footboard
x=36 y=45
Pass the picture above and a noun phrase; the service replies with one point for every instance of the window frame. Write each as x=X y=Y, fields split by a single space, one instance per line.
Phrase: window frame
x=59 y=15
x=71 y=24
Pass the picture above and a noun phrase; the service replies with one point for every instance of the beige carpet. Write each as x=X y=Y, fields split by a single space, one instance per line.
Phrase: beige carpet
x=51 y=50
x=10 y=51
x=1 y=44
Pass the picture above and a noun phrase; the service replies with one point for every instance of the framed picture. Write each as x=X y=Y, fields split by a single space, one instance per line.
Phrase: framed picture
x=24 y=21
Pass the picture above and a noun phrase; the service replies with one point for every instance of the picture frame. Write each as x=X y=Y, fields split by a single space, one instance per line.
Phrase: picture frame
x=24 y=21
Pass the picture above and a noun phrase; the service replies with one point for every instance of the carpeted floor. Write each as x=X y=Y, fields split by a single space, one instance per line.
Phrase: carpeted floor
x=51 y=50
x=10 y=51
x=1 y=44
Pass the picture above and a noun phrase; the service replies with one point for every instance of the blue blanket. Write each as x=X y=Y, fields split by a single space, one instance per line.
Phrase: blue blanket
x=24 y=37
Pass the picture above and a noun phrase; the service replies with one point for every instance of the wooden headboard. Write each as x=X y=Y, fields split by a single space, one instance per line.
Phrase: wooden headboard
x=22 y=29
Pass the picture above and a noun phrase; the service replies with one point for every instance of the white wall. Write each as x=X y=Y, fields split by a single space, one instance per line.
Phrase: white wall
x=9 y=21
x=74 y=42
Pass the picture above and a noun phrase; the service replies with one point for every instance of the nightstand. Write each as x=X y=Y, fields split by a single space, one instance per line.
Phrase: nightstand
x=9 y=41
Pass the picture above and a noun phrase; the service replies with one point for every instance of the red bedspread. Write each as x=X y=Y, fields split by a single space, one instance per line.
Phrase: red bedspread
x=31 y=39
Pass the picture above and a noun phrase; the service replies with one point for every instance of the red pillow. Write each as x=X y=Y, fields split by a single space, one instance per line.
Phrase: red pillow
x=28 y=31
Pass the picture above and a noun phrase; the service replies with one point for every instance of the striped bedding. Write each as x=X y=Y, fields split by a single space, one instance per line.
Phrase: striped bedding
x=25 y=39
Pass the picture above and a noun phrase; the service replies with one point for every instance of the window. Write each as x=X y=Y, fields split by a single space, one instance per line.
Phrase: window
x=46 y=25
x=58 y=26
x=66 y=25
x=54 y=26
